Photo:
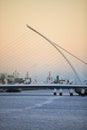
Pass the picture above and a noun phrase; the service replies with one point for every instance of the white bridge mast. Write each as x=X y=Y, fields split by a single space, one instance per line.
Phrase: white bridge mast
x=56 y=47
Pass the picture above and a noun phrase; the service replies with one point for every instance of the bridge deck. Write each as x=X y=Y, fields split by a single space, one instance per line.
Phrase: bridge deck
x=41 y=86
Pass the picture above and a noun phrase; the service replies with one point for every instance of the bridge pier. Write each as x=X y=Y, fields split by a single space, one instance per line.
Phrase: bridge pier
x=83 y=92
x=71 y=92
x=60 y=92
x=55 y=92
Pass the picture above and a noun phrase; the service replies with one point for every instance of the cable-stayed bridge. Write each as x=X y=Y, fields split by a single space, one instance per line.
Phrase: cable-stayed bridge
x=80 y=87
x=57 y=47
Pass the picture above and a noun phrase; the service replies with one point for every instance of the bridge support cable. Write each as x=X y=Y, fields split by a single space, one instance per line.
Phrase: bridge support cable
x=71 y=54
x=56 y=47
x=62 y=48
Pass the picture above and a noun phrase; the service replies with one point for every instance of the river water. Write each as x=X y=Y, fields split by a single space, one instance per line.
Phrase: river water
x=40 y=110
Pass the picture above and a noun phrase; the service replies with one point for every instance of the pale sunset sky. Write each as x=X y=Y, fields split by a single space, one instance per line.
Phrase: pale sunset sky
x=62 y=21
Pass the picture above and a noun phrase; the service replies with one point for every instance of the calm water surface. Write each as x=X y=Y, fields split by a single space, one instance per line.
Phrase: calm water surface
x=21 y=111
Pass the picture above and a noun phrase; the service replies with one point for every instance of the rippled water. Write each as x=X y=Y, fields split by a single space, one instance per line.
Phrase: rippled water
x=48 y=112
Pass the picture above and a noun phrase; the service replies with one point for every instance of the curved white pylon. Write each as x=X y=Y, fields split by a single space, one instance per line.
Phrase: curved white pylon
x=54 y=45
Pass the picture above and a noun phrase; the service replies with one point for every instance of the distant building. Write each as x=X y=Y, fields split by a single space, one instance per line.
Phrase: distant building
x=57 y=79
x=19 y=80
x=5 y=81
x=10 y=79
x=49 y=78
x=34 y=81
x=60 y=81
x=16 y=74
x=3 y=76
x=27 y=79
